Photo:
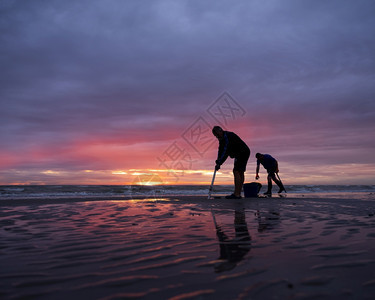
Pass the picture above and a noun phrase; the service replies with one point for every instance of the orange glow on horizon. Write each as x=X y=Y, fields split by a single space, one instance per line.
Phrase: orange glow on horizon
x=106 y=162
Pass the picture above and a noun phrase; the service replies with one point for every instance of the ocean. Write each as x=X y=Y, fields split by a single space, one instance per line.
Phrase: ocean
x=102 y=191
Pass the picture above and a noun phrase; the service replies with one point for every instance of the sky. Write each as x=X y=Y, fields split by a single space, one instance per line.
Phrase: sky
x=126 y=92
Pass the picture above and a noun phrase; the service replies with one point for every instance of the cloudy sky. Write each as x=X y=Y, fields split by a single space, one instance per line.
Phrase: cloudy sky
x=111 y=92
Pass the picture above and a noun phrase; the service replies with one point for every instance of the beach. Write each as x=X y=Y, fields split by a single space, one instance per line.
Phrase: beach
x=187 y=247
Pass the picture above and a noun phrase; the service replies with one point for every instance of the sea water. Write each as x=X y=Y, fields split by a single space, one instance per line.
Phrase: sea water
x=126 y=191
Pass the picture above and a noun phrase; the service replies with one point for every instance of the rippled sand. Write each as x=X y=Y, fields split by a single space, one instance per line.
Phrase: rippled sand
x=188 y=248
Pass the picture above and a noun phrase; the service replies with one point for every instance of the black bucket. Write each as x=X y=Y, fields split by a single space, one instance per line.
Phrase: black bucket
x=252 y=189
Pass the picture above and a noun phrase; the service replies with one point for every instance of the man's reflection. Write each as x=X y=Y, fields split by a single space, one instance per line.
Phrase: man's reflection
x=232 y=251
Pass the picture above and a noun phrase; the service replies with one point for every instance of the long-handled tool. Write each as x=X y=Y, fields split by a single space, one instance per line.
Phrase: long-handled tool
x=213 y=217
x=281 y=181
x=212 y=184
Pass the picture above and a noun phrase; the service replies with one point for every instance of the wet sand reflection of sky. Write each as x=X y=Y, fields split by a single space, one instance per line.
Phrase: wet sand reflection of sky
x=171 y=247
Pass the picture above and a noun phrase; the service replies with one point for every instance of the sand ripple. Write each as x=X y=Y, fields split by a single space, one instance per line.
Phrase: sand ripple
x=188 y=249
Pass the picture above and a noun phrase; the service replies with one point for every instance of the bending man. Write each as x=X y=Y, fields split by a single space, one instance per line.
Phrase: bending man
x=231 y=145
x=272 y=167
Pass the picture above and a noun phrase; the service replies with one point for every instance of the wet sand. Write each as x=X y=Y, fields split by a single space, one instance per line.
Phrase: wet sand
x=187 y=248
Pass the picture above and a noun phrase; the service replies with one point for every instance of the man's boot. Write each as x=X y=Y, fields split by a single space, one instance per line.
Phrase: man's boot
x=269 y=189
x=282 y=189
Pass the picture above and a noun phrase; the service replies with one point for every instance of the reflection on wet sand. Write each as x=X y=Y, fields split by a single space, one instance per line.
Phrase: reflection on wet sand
x=232 y=251
x=268 y=220
x=176 y=248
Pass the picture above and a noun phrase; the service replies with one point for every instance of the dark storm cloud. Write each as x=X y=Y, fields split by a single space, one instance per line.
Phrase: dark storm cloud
x=76 y=70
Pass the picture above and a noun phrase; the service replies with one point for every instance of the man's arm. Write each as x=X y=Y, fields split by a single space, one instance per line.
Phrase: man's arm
x=222 y=153
x=257 y=171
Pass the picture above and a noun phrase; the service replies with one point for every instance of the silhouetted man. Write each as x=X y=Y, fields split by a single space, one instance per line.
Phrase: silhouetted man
x=231 y=145
x=272 y=167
